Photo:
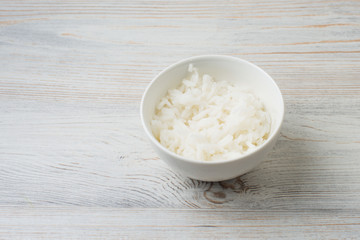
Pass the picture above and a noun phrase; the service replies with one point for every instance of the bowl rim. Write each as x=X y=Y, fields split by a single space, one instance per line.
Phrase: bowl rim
x=189 y=160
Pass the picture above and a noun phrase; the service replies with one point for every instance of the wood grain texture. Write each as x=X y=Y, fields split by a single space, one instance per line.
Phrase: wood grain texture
x=73 y=153
x=133 y=223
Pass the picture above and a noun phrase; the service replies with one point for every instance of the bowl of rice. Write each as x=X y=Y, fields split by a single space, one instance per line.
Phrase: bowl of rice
x=212 y=117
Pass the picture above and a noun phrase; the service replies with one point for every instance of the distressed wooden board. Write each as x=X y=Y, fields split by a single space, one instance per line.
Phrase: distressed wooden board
x=71 y=77
x=132 y=223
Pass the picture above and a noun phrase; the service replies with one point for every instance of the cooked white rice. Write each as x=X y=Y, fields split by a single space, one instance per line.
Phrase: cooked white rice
x=208 y=120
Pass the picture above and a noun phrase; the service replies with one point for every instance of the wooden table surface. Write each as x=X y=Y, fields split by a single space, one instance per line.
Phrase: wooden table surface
x=75 y=162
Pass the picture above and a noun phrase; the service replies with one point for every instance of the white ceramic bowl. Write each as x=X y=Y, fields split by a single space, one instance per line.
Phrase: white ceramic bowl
x=220 y=67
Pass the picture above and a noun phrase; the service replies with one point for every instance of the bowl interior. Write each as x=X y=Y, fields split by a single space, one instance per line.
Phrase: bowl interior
x=220 y=67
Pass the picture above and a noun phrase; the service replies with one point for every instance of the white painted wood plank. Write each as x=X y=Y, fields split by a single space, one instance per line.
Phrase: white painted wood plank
x=109 y=223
